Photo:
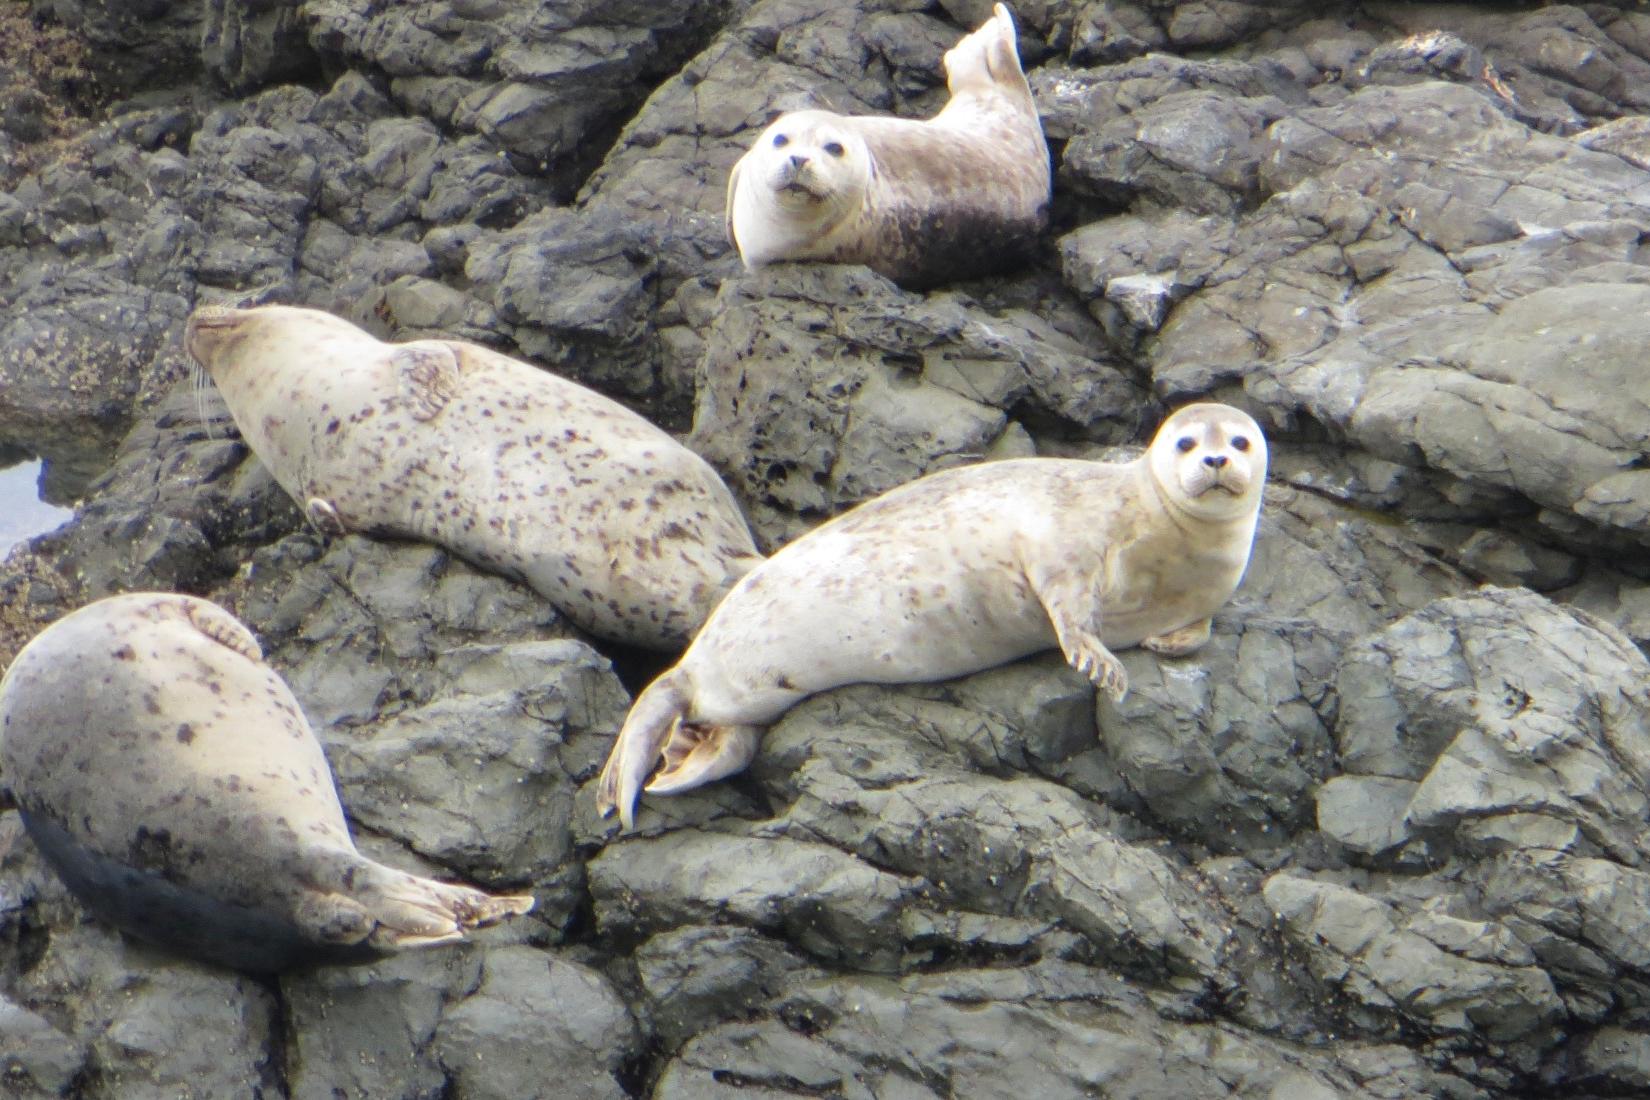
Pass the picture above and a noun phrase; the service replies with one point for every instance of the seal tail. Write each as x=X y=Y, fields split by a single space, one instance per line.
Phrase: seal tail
x=408 y=911
x=654 y=719
x=988 y=59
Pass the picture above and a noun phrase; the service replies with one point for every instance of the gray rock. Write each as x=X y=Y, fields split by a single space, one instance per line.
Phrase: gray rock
x=833 y=906
x=697 y=974
x=371 y=1031
x=247 y=43
x=1438 y=972
x=820 y=386
x=537 y=1024
x=1501 y=704
x=40 y=1059
x=1069 y=1029
x=1384 y=836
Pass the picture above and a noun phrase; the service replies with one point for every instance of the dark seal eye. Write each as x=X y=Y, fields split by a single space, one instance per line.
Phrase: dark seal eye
x=780 y=141
x=1240 y=443
x=834 y=148
x=1185 y=444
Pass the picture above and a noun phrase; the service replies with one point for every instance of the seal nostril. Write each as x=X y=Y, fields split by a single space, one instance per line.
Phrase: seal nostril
x=798 y=160
x=1216 y=461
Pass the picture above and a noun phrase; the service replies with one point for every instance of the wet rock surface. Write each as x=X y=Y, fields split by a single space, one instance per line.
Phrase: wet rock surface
x=1384 y=836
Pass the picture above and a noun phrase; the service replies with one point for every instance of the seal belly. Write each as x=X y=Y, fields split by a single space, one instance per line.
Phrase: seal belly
x=180 y=917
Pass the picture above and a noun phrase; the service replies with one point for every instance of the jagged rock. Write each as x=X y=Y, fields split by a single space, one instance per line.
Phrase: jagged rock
x=1384 y=836
x=536 y=1025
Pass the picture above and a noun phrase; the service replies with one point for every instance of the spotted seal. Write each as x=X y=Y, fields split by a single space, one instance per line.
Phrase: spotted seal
x=963 y=193
x=169 y=777
x=625 y=530
x=956 y=572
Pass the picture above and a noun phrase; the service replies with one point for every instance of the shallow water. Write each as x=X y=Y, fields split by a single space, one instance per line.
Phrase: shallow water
x=22 y=513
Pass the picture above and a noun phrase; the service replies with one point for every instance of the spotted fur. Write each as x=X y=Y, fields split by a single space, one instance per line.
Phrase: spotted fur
x=956 y=572
x=168 y=775
x=629 y=533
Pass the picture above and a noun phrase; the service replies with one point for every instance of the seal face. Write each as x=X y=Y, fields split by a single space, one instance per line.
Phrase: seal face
x=169 y=777
x=957 y=572
x=963 y=193
x=628 y=532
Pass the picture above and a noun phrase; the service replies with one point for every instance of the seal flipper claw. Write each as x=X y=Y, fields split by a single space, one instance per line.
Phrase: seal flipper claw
x=653 y=720
x=696 y=755
x=324 y=517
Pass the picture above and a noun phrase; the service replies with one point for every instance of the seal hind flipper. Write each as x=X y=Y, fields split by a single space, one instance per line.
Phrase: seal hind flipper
x=653 y=720
x=429 y=377
x=1178 y=643
x=696 y=755
x=410 y=911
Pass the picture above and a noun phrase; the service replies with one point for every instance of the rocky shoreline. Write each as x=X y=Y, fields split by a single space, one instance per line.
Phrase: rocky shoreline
x=1386 y=836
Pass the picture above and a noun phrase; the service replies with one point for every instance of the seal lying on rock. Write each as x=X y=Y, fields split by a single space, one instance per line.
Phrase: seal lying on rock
x=629 y=533
x=167 y=774
x=956 y=572
x=964 y=193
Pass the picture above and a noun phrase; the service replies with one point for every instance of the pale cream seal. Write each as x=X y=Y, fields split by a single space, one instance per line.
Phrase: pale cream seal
x=956 y=572
x=628 y=532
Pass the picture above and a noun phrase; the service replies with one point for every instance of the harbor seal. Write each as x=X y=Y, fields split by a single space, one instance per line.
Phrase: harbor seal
x=169 y=777
x=964 y=193
x=955 y=572
x=633 y=536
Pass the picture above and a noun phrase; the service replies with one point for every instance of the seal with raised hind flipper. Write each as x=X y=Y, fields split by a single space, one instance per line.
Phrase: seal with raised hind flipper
x=961 y=194
x=169 y=777
x=956 y=572
x=628 y=532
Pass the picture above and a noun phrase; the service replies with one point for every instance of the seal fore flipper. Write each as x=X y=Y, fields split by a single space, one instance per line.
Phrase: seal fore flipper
x=223 y=628
x=324 y=517
x=1178 y=643
x=429 y=377
x=653 y=720
x=1072 y=601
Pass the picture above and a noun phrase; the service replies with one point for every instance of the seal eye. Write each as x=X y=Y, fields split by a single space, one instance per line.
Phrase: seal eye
x=780 y=141
x=1240 y=443
x=1185 y=444
x=834 y=148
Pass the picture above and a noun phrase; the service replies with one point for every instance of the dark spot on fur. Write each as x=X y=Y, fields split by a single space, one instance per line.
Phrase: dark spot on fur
x=125 y=653
x=186 y=733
